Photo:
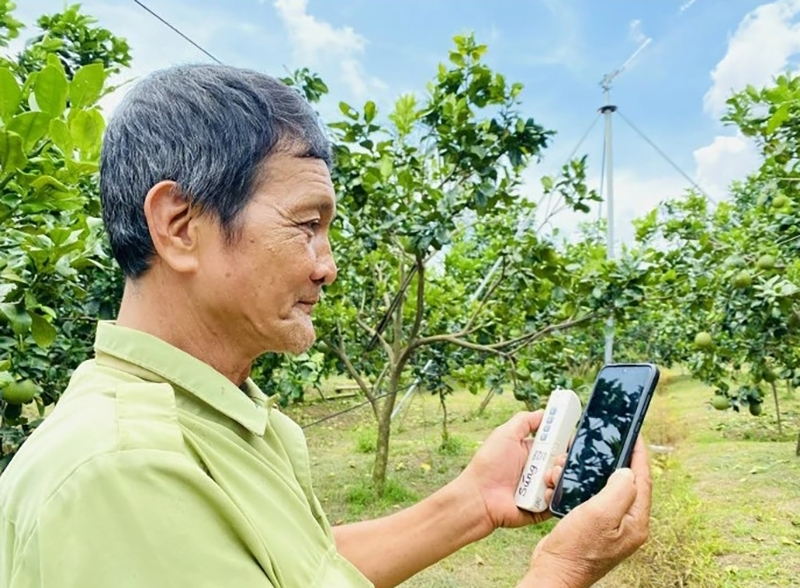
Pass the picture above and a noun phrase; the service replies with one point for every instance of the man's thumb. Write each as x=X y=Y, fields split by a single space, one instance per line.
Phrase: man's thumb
x=618 y=495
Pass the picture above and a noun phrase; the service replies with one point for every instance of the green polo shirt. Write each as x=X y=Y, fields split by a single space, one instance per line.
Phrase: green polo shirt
x=155 y=471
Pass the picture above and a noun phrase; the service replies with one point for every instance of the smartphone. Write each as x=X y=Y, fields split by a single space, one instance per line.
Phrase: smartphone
x=606 y=432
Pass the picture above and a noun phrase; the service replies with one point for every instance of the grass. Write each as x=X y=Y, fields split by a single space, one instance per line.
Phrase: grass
x=726 y=502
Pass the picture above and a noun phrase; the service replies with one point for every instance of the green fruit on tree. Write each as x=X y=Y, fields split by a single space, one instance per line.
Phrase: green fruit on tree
x=766 y=262
x=780 y=201
x=721 y=403
x=523 y=374
x=755 y=408
x=735 y=261
x=742 y=280
x=769 y=376
x=19 y=392
x=703 y=340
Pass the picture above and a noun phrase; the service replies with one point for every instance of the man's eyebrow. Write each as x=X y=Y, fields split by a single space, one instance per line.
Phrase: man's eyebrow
x=326 y=206
x=322 y=205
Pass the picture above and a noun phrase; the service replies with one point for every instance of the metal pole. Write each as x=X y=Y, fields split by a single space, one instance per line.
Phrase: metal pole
x=608 y=110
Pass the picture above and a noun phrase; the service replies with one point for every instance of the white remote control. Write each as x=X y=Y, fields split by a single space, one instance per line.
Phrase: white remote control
x=560 y=418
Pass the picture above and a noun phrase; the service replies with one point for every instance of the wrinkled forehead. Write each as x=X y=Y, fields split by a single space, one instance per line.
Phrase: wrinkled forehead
x=296 y=177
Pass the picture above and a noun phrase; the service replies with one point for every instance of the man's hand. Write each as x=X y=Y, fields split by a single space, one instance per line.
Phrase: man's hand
x=595 y=537
x=494 y=472
x=392 y=549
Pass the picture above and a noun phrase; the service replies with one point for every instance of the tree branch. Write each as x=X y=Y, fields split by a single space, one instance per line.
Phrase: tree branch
x=420 y=298
x=531 y=337
x=485 y=299
x=456 y=340
x=500 y=348
x=392 y=307
x=379 y=380
x=339 y=351
x=376 y=336
x=405 y=355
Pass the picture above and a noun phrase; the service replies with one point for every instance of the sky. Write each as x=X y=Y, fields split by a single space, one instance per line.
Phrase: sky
x=696 y=53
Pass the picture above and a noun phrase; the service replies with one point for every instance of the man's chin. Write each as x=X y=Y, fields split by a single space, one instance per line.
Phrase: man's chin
x=300 y=342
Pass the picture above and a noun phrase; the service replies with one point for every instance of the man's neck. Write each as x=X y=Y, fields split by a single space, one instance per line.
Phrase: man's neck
x=174 y=318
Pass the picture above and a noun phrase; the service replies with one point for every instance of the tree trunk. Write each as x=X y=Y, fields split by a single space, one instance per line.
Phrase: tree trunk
x=777 y=407
x=445 y=433
x=790 y=388
x=382 y=446
x=485 y=401
x=797 y=449
x=384 y=433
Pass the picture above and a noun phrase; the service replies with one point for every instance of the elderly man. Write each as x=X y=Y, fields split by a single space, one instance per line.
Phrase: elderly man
x=163 y=465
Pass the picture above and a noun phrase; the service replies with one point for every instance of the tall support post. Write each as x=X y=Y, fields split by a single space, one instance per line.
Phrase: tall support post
x=608 y=110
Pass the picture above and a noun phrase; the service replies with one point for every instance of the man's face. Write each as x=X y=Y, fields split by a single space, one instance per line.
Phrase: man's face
x=264 y=286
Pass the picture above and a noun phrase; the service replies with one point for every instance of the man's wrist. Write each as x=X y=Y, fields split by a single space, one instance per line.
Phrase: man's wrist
x=547 y=571
x=463 y=492
x=541 y=577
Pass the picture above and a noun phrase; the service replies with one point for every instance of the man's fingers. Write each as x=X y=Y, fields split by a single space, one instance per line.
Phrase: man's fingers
x=522 y=424
x=640 y=509
x=552 y=476
x=640 y=461
x=616 y=498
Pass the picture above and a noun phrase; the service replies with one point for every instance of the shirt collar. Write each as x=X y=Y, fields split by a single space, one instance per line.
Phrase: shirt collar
x=249 y=408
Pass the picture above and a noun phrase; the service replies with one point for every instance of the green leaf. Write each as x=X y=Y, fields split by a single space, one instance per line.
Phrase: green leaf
x=348 y=110
x=404 y=114
x=10 y=94
x=61 y=137
x=43 y=332
x=86 y=128
x=457 y=58
x=86 y=86
x=780 y=116
x=5 y=290
x=369 y=111
x=12 y=157
x=31 y=126
x=18 y=317
x=386 y=166
x=51 y=89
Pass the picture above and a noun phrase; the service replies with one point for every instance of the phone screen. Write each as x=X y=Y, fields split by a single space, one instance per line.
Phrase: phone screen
x=604 y=430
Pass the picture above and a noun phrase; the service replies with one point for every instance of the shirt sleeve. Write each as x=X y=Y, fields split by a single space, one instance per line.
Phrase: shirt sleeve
x=138 y=519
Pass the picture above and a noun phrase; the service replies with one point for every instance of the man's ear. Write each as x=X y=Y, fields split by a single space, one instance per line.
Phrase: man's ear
x=173 y=228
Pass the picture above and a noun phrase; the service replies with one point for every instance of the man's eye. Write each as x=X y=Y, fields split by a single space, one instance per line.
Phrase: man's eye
x=312 y=224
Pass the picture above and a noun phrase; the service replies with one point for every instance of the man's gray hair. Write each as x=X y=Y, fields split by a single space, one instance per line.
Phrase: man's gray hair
x=209 y=128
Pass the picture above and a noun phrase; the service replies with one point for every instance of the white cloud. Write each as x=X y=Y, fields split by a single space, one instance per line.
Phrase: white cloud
x=319 y=44
x=635 y=195
x=762 y=46
x=726 y=159
x=635 y=32
x=152 y=44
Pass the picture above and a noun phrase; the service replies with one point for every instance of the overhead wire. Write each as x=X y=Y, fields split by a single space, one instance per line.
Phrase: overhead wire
x=570 y=158
x=174 y=28
x=356 y=406
x=666 y=157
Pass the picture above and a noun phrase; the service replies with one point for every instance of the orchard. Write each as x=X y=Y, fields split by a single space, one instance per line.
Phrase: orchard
x=430 y=203
x=451 y=283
